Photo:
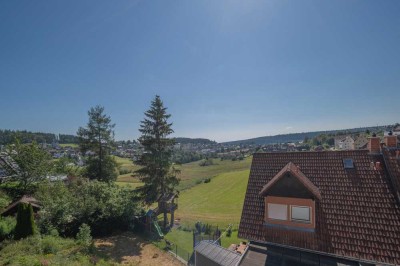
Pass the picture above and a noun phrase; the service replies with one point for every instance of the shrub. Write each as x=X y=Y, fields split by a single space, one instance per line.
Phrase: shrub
x=229 y=232
x=207 y=180
x=124 y=171
x=100 y=205
x=83 y=237
x=7 y=226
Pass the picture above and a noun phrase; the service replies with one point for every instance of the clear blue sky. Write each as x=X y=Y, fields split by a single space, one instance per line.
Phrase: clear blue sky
x=226 y=70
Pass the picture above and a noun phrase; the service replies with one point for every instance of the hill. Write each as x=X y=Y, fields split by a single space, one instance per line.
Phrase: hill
x=296 y=137
x=182 y=140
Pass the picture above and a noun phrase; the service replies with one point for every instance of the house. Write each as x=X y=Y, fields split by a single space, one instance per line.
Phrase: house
x=361 y=142
x=344 y=143
x=324 y=208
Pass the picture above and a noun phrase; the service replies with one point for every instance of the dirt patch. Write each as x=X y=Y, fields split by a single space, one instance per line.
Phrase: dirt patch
x=130 y=249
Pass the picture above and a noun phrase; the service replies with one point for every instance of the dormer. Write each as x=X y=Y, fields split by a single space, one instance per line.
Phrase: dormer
x=290 y=199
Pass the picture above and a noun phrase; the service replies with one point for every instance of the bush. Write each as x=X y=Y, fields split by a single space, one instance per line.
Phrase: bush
x=83 y=237
x=7 y=227
x=124 y=171
x=206 y=162
x=102 y=206
x=207 y=180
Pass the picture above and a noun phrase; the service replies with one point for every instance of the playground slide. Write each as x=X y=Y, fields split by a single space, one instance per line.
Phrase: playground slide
x=158 y=229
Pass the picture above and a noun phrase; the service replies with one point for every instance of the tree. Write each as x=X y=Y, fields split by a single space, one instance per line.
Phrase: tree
x=25 y=221
x=157 y=173
x=27 y=164
x=98 y=138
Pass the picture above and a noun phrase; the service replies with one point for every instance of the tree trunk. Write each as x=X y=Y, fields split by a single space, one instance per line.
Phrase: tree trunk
x=165 y=219
x=172 y=218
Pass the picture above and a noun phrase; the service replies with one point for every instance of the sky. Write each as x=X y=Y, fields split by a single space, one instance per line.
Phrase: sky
x=226 y=70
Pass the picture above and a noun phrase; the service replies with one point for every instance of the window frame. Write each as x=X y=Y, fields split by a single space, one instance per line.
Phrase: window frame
x=309 y=221
x=276 y=219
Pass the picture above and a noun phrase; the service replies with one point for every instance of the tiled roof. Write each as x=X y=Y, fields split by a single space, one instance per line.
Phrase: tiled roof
x=357 y=216
x=392 y=160
x=295 y=171
x=218 y=254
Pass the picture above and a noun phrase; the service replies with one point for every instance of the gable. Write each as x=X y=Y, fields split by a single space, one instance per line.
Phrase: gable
x=290 y=186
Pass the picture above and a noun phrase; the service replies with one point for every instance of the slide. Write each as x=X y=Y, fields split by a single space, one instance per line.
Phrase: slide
x=158 y=229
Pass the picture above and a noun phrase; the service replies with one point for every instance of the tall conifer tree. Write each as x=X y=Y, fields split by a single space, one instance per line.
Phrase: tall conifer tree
x=98 y=138
x=157 y=173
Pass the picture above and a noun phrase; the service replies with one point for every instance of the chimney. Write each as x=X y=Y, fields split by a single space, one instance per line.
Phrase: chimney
x=374 y=144
x=390 y=140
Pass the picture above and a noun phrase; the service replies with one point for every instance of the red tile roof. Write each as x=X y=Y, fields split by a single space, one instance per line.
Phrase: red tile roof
x=357 y=216
x=295 y=171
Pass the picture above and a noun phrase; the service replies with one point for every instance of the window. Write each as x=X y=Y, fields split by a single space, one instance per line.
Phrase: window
x=300 y=214
x=348 y=163
x=277 y=211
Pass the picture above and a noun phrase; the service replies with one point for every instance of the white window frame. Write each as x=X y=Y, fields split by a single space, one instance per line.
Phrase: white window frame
x=278 y=219
x=301 y=220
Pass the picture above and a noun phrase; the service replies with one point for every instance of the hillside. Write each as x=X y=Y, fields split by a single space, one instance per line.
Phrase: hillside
x=296 y=137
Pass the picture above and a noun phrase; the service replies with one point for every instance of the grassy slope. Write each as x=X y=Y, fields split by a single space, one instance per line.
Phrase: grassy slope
x=219 y=202
x=191 y=173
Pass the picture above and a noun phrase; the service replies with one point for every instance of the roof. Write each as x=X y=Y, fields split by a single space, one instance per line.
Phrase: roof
x=218 y=254
x=260 y=255
x=392 y=161
x=12 y=208
x=357 y=216
x=294 y=171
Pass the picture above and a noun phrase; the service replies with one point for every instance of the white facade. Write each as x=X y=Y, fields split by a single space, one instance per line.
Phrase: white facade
x=346 y=143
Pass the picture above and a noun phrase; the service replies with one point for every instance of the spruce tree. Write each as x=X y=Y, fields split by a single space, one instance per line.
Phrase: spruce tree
x=98 y=138
x=157 y=173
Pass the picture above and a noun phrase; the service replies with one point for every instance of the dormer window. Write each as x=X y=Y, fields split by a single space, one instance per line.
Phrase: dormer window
x=290 y=199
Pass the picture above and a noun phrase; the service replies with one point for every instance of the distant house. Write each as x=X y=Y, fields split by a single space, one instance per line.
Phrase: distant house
x=361 y=142
x=324 y=208
x=344 y=143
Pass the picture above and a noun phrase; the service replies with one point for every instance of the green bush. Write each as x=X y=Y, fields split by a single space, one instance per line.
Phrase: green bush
x=7 y=227
x=83 y=237
x=207 y=180
x=124 y=171
x=102 y=206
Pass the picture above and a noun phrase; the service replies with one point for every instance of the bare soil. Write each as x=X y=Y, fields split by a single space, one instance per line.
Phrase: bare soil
x=129 y=249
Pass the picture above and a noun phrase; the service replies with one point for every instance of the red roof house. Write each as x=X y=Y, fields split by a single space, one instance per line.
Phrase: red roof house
x=323 y=208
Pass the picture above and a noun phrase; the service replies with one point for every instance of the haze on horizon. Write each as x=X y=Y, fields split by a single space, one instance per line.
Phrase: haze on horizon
x=226 y=70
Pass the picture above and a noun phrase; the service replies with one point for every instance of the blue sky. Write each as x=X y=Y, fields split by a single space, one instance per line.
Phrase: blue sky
x=226 y=70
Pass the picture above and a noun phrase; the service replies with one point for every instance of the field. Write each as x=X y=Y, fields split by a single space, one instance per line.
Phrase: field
x=72 y=145
x=191 y=173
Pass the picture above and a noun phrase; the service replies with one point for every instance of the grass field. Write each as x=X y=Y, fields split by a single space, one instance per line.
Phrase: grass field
x=73 y=145
x=191 y=173
x=219 y=203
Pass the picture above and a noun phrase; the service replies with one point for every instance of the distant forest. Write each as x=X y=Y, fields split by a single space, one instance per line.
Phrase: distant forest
x=9 y=136
x=296 y=137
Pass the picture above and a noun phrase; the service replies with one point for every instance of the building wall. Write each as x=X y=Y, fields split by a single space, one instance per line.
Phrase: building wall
x=201 y=260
